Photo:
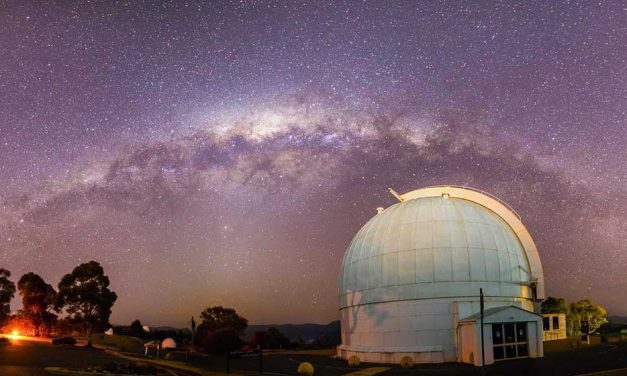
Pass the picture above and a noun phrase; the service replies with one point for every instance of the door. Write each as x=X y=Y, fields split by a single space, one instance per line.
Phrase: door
x=509 y=340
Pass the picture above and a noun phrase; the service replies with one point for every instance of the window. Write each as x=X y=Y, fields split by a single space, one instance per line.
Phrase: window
x=510 y=333
x=556 y=322
x=509 y=340
x=521 y=332
x=546 y=323
x=522 y=350
x=510 y=351
x=499 y=354
x=497 y=334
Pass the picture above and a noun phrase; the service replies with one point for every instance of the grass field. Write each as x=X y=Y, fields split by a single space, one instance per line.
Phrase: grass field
x=566 y=344
x=118 y=342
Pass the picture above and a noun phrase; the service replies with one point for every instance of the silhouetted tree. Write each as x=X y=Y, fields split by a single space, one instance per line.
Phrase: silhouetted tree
x=221 y=341
x=220 y=317
x=137 y=329
x=555 y=305
x=220 y=330
x=7 y=292
x=86 y=296
x=260 y=338
x=276 y=339
x=38 y=302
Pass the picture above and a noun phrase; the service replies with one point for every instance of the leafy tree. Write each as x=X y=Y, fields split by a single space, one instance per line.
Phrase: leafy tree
x=66 y=326
x=587 y=310
x=260 y=338
x=21 y=322
x=137 y=329
x=220 y=330
x=221 y=341
x=7 y=292
x=273 y=338
x=555 y=305
x=219 y=317
x=276 y=339
x=86 y=296
x=38 y=301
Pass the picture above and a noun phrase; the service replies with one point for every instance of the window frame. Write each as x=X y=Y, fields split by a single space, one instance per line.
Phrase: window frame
x=514 y=344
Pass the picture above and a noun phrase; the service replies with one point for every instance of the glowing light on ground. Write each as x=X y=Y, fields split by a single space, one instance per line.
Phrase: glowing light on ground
x=15 y=335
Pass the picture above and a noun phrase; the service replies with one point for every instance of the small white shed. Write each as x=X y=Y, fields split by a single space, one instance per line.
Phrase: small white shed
x=554 y=326
x=509 y=332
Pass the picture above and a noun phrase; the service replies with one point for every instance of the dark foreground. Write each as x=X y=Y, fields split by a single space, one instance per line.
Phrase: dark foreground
x=27 y=358
x=30 y=358
x=571 y=362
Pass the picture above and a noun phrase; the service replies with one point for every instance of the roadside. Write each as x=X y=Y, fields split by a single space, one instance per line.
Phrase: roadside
x=30 y=358
x=175 y=365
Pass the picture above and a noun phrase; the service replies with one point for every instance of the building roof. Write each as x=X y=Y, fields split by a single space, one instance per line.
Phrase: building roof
x=440 y=242
x=491 y=311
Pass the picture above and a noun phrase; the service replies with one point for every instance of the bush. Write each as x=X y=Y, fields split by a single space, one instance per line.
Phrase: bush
x=222 y=341
x=305 y=369
x=407 y=362
x=121 y=368
x=354 y=361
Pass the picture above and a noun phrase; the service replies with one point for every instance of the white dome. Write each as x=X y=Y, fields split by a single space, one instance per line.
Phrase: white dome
x=439 y=244
x=416 y=268
x=168 y=343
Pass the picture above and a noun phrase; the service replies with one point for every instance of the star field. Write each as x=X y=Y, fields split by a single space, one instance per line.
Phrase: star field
x=226 y=152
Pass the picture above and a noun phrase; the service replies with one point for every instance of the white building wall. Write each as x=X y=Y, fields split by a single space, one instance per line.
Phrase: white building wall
x=424 y=329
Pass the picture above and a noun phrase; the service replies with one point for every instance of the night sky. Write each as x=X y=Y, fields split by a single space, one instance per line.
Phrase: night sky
x=226 y=153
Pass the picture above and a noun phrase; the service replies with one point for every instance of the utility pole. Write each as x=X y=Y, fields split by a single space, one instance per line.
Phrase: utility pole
x=482 y=340
x=193 y=323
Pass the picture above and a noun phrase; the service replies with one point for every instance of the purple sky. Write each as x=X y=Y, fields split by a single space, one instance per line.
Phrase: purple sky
x=218 y=153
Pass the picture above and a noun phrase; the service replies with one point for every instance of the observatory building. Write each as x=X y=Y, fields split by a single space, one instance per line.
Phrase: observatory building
x=411 y=279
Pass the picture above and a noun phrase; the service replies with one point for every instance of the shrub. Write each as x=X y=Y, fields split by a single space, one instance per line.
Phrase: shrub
x=354 y=361
x=305 y=369
x=222 y=341
x=407 y=362
x=123 y=368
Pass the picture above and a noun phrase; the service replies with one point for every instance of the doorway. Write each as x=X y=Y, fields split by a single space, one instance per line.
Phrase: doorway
x=509 y=340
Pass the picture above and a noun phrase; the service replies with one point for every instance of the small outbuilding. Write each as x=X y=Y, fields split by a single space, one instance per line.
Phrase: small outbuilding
x=509 y=332
x=553 y=326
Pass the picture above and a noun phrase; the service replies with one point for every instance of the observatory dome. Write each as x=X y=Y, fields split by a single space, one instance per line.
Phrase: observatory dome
x=416 y=268
x=168 y=343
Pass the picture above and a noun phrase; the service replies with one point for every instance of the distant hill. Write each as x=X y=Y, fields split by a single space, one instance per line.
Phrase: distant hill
x=617 y=320
x=308 y=332
x=170 y=329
